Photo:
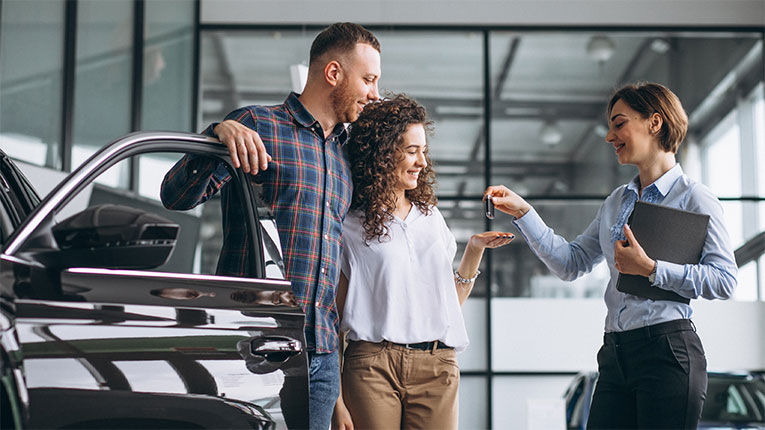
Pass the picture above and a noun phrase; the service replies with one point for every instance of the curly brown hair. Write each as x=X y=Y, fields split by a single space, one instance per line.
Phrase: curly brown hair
x=374 y=150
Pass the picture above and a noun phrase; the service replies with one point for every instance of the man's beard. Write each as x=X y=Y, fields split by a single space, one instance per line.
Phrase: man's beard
x=343 y=103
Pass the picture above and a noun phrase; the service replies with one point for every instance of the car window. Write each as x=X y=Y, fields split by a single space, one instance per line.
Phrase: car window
x=200 y=239
x=6 y=227
x=734 y=399
x=17 y=198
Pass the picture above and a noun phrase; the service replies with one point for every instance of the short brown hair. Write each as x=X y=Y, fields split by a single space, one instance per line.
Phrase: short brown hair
x=374 y=150
x=341 y=37
x=647 y=98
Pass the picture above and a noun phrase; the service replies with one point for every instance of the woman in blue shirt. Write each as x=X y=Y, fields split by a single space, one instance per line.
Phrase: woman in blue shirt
x=652 y=365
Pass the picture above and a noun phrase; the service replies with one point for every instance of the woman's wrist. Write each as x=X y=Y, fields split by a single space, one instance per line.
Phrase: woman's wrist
x=339 y=403
x=523 y=210
x=475 y=244
x=650 y=267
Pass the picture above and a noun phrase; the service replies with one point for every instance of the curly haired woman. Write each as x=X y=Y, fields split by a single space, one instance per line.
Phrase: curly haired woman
x=399 y=300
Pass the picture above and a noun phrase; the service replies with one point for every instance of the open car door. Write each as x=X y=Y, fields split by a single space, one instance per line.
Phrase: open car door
x=120 y=320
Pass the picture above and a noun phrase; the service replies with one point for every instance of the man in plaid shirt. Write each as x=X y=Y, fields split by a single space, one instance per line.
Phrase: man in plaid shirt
x=307 y=184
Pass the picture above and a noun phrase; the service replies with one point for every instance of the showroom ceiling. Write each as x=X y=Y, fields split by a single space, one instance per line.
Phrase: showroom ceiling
x=547 y=97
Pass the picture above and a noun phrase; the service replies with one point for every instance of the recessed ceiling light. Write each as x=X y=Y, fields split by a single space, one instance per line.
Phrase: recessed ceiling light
x=600 y=48
x=550 y=133
x=660 y=46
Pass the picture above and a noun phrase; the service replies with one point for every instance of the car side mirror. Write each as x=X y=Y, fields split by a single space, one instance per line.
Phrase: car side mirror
x=114 y=237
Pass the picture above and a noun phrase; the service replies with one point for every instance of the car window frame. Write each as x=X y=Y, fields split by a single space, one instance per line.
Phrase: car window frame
x=35 y=229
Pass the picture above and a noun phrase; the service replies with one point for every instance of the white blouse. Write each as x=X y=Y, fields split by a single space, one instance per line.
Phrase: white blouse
x=402 y=289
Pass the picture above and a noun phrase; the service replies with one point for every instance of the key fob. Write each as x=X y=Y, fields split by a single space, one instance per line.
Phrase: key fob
x=489 y=207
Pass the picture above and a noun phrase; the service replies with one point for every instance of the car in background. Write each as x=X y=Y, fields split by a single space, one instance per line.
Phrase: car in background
x=735 y=400
x=112 y=316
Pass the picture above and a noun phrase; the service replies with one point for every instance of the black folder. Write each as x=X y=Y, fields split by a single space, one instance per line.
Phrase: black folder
x=667 y=234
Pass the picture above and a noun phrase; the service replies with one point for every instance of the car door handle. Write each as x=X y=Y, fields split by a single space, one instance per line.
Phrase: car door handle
x=275 y=349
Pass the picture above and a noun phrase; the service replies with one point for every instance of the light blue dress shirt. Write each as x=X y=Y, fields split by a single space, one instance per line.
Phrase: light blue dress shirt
x=713 y=278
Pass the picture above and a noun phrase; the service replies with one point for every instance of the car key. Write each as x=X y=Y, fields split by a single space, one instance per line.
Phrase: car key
x=489 y=207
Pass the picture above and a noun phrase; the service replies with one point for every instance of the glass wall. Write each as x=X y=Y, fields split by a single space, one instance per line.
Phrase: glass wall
x=167 y=72
x=100 y=79
x=31 y=81
x=167 y=80
x=737 y=142
x=543 y=123
x=538 y=111
x=520 y=108
x=103 y=79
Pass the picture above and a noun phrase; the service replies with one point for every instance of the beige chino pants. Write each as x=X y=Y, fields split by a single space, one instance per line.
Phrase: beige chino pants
x=386 y=386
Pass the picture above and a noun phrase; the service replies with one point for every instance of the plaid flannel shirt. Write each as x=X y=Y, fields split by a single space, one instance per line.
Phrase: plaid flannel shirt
x=308 y=186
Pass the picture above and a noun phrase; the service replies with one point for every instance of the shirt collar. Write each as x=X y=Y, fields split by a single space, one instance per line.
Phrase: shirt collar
x=298 y=111
x=304 y=118
x=663 y=184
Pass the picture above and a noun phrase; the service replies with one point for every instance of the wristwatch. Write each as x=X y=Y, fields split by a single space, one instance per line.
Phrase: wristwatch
x=652 y=276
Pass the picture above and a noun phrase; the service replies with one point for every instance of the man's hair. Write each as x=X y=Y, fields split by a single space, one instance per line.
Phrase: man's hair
x=374 y=150
x=341 y=38
x=648 y=98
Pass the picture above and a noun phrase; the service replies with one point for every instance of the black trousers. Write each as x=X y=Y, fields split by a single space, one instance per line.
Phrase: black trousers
x=650 y=378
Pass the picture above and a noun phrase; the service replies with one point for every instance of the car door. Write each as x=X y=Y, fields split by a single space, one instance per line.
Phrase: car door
x=17 y=200
x=173 y=346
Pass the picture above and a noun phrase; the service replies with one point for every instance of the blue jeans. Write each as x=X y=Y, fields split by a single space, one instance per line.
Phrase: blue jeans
x=324 y=385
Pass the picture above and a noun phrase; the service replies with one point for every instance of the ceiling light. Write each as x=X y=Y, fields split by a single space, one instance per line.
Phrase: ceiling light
x=601 y=130
x=600 y=48
x=560 y=186
x=659 y=46
x=459 y=110
x=550 y=133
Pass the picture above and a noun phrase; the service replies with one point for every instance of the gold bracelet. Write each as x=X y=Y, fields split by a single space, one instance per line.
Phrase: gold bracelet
x=462 y=280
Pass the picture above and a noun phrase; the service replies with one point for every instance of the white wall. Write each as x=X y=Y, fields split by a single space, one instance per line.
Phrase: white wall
x=515 y=395
x=487 y=12
x=559 y=335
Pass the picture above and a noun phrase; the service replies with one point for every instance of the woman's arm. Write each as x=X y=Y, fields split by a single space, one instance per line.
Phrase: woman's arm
x=715 y=277
x=471 y=259
x=567 y=260
x=341 y=418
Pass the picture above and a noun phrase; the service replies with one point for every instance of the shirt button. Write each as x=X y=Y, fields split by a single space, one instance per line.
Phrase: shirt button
x=327 y=204
x=326 y=237
x=194 y=172
x=316 y=304
x=322 y=270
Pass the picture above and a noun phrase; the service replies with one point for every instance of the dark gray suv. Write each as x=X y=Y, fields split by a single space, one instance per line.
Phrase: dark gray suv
x=111 y=315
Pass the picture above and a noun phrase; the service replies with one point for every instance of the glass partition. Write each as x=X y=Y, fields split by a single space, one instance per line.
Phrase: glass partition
x=31 y=75
x=167 y=77
x=103 y=75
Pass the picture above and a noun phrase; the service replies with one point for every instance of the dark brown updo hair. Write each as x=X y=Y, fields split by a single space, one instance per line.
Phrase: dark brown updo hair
x=647 y=98
x=374 y=150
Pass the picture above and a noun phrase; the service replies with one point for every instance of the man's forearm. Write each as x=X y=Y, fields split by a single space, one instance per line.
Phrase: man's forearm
x=191 y=181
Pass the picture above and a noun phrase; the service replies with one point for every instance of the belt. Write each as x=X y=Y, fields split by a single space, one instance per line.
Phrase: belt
x=423 y=346
x=648 y=332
